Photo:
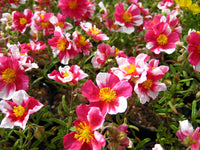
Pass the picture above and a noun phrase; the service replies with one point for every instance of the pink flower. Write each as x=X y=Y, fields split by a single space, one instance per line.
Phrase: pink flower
x=161 y=39
x=111 y=26
x=32 y=46
x=157 y=147
x=62 y=46
x=110 y=94
x=41 y=22
x=148 y=85
x=59 y=20
x=73 y=8
x=93 y=31
x=194 y=49
x=85 y=136
x=18 y=111
x=103 y=52
x=82 y=43
x=25 y=61
x=101 y=5
x=164 y=4
x=22 y=21
x=12 y=77
x=128 y=18
x=15 y=3
x=68 y=74
x=131 y=68
x=188 y=136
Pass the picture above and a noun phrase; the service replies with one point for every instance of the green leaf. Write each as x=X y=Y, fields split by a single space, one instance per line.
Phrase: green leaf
x=134 y=127
x=142 y=143
x=58 y=121
x=66 y=109
x=194 y=111
x=21 y=134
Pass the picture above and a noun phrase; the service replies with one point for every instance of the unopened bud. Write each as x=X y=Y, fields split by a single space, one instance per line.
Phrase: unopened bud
x=180 y=58
x=198 y=95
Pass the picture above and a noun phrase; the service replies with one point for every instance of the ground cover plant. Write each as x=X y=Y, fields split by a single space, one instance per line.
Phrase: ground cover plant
x=98 y=75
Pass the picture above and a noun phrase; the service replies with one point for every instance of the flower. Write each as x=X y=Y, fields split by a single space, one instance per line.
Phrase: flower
x=73 y=8
x=62 y=45
x=157 y=147
x=103 y=52
x=85 y=136
x=18 y=110
x=119 y=137
x=164 y=4
x=59 y=20
x=12 y=77
x=188 y=136
x=15 y=3
x=93 y=31
x=22 y=21
x=128 y=18
x=82 y=43
x=110 y=95
x=161 y=39
x=68 y=74
x=148 y=85
x=42 y=22
x=194 y=49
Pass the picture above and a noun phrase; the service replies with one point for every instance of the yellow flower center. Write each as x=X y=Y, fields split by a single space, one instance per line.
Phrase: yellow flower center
x=66 y=74
x=18 y=111
x=127 y=17
x=8 y=75
x=22 y=21
x=61 y=44
x=162 y=39
x=107 y=94
x=73 y=4
x=61 y=24
x=94 y=30
x=131 y=69
x=42 y=16
x=116 y=51
x=45 y=24
x=147 y=84
x=82 y=41
x=83 y=133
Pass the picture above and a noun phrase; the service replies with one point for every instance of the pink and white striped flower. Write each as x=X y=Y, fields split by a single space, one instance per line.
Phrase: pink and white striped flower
x=22 y=21
x=194 y=49
x=12 y=77
x=93 y=31
x=73 y=8
x=148 y=85
x=128 y=18
x=15 y=3
x=42 y=22
x=157 y=147
x=103 y=52
x=130 y=68
x=165 y=4
x=62 y=45
x=161 y=39
x=188 y=136
x=85 y=136
x=18 y=110
x=82 y=44
x=59 y=20
x=68 y=74
x=110 y=94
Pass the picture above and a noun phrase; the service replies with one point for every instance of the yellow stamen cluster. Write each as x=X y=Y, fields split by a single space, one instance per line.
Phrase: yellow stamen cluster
x=23 y=21
x=82 y=40
x=107 y=94
x=73 y=4
x=94 y=30
x=131 y=69
x=61 y=44
x=18 y=111
x=8 y=75
x=162 y=39
x=83 y=133
x=66 y=74
x=127 y=17
x=147 y=84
